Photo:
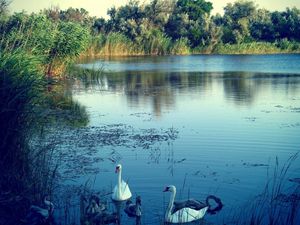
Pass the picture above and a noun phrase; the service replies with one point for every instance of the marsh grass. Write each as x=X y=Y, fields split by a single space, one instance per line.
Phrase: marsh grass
x=152 y=43
x=279 y=202
x=112 y=44
x=157 y=43
x=86 y=74
x=27 y=167
x=257 y=48
x=181 y=47
x=21 y=183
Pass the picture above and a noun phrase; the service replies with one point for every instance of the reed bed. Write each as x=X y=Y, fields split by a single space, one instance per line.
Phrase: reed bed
x=257 y=48
x=26 y=50
x=279 y=202
x=21 y=183
x=153 y=43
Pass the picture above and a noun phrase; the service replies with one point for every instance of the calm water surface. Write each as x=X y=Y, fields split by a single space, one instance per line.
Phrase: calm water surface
x=233 y=114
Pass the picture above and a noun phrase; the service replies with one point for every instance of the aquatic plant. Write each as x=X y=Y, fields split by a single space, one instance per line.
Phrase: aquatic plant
x=88 y=76
x=282 y=46
x=181 y=47
x=277 y=204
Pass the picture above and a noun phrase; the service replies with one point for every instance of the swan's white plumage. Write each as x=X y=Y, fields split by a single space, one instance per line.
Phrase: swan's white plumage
x=183 y=215
x=121 y=191
x=124 y=193
x=186 y=215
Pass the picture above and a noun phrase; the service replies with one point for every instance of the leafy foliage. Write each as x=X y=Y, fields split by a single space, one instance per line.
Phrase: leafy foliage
x=243 y=22
x=20 y=83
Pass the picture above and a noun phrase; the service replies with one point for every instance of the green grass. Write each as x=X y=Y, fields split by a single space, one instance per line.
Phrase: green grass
x=21 y=83
x=257 y=48
x=181 y=47
x=153 y=43
x=113 y=44
x=117 y=44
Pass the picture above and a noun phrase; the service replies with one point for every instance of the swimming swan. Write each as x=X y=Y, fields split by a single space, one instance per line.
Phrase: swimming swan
x=185 y=211
x=134 y=210
x=121 y=191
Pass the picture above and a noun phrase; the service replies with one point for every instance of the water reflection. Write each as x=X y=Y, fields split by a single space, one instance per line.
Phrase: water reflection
x=240 y=88
x=63 y=109
x=160 y=89
x=225 y=140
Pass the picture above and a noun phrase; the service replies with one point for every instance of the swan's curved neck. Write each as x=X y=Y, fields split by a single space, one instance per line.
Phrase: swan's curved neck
x=171 y=204
x=119 y=181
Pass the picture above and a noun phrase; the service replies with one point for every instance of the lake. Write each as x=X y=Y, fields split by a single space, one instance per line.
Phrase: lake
x=208 y=124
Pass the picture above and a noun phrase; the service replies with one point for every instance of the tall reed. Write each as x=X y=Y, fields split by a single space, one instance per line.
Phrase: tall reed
x=279 y=202
x=21 y=83
x=257 y=48
x=181 y=47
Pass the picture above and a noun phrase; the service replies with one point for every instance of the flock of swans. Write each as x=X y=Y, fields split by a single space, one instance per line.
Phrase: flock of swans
x=177 y=212
x=95 y=213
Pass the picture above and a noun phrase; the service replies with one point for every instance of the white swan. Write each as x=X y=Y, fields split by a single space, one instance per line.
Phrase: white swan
x=121 y=191
x=183 y=212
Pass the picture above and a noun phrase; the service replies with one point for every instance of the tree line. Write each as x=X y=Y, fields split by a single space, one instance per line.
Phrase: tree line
x=37 y=47
x=162 y=27
x=191 y=22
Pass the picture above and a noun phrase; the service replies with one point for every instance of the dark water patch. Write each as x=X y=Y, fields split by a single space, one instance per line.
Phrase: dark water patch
x=295 y=180
x=266 y=111
x=255 y=164
x=288 y=198
x=295 y=109
x=290 y=125
x=208 y=173
x=278 y=106
x=251 y=119
x=181 y=160
x=143 y=115
x=232 y=181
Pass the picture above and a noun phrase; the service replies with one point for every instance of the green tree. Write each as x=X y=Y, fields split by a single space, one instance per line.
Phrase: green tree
x=189 y=20
x=3 y=7
x=287 y=24
x=76 y=15
x=158 y=12
x=237 y=17
x=100 y=25
x=194 y=8
x=53 y=13
x=126 y=19
x=261 y=26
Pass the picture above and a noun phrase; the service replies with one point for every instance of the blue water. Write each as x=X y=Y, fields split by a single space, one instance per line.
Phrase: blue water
x=285 y=63
x=234 y=115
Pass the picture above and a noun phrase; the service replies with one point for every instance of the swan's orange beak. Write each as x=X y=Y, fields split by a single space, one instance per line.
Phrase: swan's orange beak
x=166 y=189
x=117 y=169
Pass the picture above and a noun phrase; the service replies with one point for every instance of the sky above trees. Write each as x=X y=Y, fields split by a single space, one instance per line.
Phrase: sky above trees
x=99 y=7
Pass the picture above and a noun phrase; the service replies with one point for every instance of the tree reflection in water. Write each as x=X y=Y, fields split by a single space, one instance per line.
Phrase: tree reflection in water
x=159 y=89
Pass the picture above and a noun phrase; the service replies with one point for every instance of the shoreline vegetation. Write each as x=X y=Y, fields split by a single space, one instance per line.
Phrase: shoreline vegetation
x=170 y=27
x=253 y=48
x=37 y=49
